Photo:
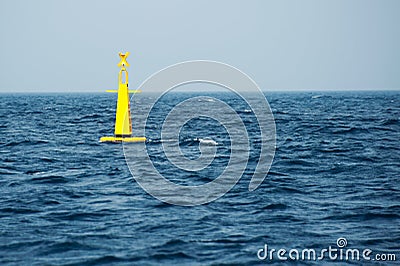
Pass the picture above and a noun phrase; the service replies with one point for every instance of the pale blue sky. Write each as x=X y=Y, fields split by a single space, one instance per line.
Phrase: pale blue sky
x=283 y=45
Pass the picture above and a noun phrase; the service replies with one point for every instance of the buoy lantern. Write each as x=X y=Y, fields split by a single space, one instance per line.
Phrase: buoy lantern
x=123 y=122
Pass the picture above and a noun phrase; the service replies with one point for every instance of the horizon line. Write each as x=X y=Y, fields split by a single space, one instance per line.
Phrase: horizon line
x=220 y=90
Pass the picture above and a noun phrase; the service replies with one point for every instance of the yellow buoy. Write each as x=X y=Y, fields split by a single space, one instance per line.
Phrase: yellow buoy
x=123 y=122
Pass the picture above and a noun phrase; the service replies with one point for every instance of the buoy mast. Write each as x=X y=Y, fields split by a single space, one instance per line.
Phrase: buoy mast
x=123 y=121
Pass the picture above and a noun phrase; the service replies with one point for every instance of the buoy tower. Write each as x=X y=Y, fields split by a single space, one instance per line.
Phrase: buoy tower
x=123 y=122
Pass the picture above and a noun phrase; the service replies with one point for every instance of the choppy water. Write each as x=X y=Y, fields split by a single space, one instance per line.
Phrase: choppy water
x=67 y=199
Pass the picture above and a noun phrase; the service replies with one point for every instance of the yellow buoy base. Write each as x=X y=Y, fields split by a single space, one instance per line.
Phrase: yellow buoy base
x=122 y=139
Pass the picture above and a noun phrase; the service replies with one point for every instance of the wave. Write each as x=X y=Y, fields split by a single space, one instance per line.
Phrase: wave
x=185 y=142
x=390 y=121
x=24 y=142
x=207 y=141
x=350 y=130
x=51 y=179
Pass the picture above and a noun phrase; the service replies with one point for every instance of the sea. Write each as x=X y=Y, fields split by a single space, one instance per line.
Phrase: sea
x=333 y=186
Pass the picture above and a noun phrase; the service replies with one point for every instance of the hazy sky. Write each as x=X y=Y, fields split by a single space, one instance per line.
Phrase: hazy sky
x=283 y=45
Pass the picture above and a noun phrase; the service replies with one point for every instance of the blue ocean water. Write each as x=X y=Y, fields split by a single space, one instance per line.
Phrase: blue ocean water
x=66 y=199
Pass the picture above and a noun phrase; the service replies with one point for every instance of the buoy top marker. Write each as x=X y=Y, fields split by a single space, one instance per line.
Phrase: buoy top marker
x=123 y=61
